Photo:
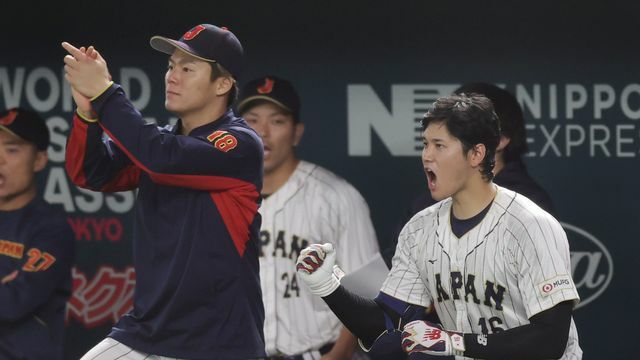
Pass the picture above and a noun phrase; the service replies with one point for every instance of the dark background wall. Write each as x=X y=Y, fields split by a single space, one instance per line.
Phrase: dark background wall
x=365 y=70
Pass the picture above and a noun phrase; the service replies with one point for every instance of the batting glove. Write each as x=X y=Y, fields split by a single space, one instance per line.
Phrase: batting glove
x=425 y=337
x=316 y=267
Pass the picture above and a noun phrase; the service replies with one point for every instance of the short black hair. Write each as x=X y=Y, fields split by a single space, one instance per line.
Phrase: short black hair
x=472 y=120
x=510 y=114
x=218 y=71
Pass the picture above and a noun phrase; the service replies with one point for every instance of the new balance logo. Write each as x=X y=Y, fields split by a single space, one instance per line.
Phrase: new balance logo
x=482 y=339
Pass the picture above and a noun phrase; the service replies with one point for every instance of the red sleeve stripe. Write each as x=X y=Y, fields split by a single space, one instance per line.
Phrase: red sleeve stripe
x=238 y=209
x=127 y=179
x=236 y=200
x=198 y=182
x=74 y=155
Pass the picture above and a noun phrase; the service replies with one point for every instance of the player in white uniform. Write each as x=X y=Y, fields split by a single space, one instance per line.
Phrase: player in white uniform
x=303 y=204
x=494 y=265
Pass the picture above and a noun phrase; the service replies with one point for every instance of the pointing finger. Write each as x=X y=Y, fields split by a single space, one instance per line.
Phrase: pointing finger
x=75 y=52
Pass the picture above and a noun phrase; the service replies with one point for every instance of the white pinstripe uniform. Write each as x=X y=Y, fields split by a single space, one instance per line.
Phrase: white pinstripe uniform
x=313 y=206
x=109 y=349
x=514 y=264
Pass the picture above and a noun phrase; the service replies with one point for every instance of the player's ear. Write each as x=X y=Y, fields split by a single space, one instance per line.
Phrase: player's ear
x=476 y=155
x=224 y=85
x=299 y=130
x=40 y=161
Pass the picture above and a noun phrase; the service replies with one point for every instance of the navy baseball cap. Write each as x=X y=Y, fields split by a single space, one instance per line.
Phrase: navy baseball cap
x=26 y=125
x=272 y=89
x=206 y=42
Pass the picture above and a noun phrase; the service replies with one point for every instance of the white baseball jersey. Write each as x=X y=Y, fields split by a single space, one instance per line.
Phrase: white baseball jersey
x=313 y=206
x=514 y=264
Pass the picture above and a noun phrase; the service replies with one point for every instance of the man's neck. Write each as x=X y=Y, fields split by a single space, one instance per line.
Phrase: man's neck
x=473 y=199
x=18 y=201
x=274 y=180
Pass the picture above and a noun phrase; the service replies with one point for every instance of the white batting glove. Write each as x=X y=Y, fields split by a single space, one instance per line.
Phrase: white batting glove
x=425 y=337
x=316 y=267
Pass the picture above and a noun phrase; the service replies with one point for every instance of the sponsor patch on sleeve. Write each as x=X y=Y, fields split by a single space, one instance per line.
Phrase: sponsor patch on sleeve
x=560 y=282
x=223 y=141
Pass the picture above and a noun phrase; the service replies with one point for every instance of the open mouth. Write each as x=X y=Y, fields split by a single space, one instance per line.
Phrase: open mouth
x=431 y=179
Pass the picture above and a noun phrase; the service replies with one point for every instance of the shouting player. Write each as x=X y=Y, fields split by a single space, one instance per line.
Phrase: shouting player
x=492 y=263
x=510 y=170
x=197 y=293
x=303 y=204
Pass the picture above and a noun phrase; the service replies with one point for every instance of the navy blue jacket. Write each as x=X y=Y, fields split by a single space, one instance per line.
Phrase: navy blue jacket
x=196 y=227
x=38 y=243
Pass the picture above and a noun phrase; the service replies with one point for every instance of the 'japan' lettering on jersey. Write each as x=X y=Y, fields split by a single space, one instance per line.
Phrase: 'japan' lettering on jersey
x=313 y=206
x=514 y=264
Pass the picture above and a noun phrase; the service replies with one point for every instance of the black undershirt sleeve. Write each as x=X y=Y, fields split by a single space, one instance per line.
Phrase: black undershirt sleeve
x=363 y=317
x=545 y=337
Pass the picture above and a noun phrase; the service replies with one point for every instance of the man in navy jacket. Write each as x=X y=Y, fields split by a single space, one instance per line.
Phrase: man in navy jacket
x=197 y=292
x=36 y=245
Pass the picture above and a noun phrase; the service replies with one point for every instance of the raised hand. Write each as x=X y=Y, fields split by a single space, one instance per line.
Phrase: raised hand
x=86 y=72
x=316 y=267
x=83 y=103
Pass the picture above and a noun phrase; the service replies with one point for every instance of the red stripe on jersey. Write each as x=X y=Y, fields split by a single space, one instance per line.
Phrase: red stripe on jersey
x=126 y=179
x=238 y=208
x=198 y=182
x=237 y=200
x=74 y=155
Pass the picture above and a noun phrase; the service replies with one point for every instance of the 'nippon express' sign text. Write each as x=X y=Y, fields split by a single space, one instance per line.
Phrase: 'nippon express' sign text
x=564 y=120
